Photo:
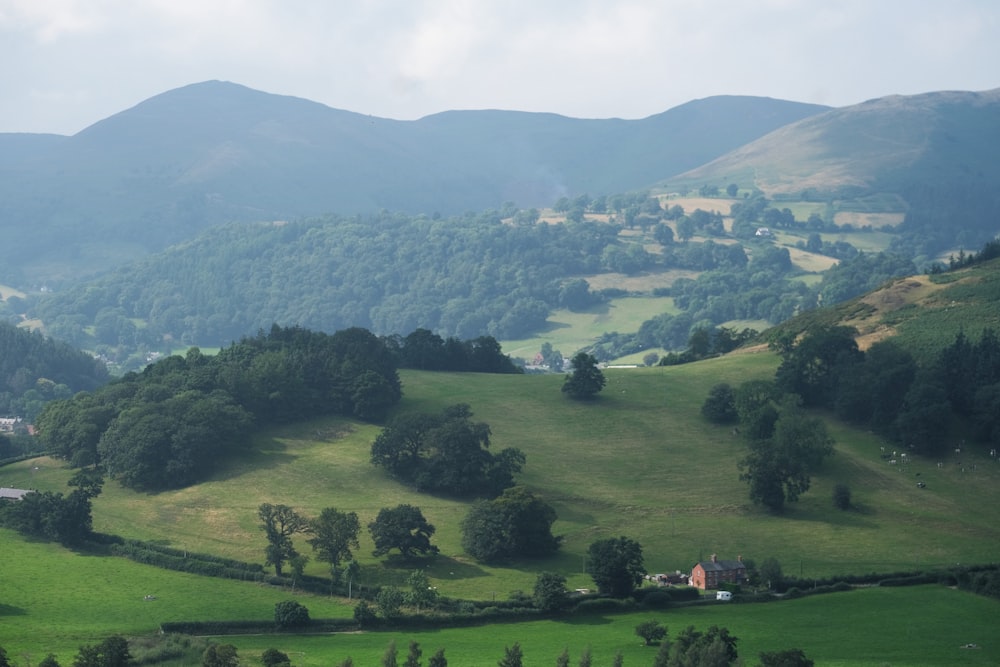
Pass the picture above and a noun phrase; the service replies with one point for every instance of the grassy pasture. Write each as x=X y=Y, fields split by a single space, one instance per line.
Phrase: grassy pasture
x=54 y=599
x=639 y=461
x=917 y=626
x=570 y=331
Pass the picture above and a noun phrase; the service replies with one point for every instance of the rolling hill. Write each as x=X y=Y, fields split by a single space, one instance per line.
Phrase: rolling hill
x=639 y=461
x=214 y=152
x=885 y=144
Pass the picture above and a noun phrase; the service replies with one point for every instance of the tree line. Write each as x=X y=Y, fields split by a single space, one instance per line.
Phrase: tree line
x=714 y=647
x=883 y=389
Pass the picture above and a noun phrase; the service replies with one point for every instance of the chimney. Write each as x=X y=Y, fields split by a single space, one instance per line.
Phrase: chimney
x=715 y=558
x=740 y=558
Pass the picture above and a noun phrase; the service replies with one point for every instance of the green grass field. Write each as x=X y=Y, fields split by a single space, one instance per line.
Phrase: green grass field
x=923 y=625
x=570 y=331
x=639 y=461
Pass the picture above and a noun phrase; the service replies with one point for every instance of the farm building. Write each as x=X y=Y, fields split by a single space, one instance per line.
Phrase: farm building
x=709 y=574
x=13 y=494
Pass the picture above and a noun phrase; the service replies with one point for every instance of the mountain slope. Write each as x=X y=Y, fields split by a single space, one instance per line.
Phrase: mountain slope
x=213 y=152
x=885 y=144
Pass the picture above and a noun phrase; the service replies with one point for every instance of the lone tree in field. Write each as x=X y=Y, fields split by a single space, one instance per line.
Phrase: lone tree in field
x=402 y=527
x=651 y=631
x=279 y=523
x=778 y=469
x=512 y=656
x=616 y=565
x=842 y=497
x=518 y=524
x=586 y=380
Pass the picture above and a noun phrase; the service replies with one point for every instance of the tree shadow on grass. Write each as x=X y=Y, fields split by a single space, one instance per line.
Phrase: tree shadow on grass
x=583 y=618
x=9 y=610
x=270 y=455
x=437 y=567
x=855 y=517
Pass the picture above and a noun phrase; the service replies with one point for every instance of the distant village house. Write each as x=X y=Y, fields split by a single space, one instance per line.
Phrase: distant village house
x=9 y=424
x=709 y=574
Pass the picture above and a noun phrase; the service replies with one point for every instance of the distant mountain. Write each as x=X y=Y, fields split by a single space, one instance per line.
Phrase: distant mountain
x=890 y=144
x=215 y=152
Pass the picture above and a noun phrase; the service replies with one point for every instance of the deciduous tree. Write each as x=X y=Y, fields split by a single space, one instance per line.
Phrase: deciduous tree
x=516 y=524
x=334 y=534
x=586 y=380
x=290 y=614
x=402 y=527
x=651 y=631
x=550 y=592
x=279 y=523
x=778 y=469
x=616 y=565
x=512 y=656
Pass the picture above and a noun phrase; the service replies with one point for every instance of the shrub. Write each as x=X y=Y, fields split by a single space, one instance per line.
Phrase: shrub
x=656 y=600
x=272 y=657
x=604 y=604
x=290 y=614
x=842 y=497
x=364 y=615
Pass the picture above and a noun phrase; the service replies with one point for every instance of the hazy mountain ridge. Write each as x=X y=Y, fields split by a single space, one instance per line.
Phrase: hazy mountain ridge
x=215 y=152
x=889 y=143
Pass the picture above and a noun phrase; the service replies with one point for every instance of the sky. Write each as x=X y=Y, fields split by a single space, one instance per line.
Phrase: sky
x=66 y=64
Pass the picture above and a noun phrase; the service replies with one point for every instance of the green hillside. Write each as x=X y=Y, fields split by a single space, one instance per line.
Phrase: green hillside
x=923 y=313
x=640 y=461
x=878 y=145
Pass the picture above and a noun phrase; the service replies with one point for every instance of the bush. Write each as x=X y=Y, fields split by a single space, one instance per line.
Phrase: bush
x=842 y=497
x=682 y=593
x=290 y=614
x=604 y=604
x=272 y=657
x=656 y=600
x=364 y=615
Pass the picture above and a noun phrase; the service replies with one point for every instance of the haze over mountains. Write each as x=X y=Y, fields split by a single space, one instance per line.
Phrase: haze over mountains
x=215 y=152
x=394 y=225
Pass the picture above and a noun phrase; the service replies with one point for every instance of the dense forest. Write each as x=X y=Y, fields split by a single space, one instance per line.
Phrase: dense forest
x=35 y=369
x=495 y=273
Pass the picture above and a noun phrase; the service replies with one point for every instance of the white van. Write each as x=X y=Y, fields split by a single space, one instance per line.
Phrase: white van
x=725 y=596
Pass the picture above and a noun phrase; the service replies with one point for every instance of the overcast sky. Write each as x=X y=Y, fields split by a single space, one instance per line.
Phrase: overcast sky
x=65 y=64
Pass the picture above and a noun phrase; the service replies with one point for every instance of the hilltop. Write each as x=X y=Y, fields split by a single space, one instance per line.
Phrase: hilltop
x=215 y=152
x=882 y=145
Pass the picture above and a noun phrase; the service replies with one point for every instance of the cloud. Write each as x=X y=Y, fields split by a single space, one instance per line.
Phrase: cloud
x=587 y=58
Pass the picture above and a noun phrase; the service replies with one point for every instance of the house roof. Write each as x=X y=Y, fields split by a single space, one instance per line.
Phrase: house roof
x=721 y=565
